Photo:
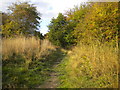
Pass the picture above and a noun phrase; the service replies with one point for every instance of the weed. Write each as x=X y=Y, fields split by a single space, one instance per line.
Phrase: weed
x=90 y=66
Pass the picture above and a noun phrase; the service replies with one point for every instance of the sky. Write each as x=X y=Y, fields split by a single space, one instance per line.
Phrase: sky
x=48 y=9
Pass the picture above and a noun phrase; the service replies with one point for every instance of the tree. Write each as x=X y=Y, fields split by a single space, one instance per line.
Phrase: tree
x=57 y=33
x=90 y=22
x=38 y=34
x=75 y=17
x=4 y=17
x=23 y=19
x=100 y=23
x=61 y=31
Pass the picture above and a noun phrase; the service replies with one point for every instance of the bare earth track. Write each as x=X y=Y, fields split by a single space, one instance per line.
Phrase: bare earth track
x=53 y=81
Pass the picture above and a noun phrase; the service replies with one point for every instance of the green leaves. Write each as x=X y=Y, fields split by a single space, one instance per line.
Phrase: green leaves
x=86 y=23
x=57 y=33
x=23 y=19
x=99 y=22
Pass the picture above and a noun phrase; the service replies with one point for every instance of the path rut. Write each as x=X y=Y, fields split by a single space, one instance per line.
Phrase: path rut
x=53 y=82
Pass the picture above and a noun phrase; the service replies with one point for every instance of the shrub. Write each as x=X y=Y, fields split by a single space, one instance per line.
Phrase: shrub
x=90 y=66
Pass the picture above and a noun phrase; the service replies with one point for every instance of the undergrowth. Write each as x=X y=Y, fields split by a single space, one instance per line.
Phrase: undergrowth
x=90 y=66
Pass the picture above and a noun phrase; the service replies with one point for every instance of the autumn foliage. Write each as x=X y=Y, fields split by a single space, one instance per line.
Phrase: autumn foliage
x=89 y=22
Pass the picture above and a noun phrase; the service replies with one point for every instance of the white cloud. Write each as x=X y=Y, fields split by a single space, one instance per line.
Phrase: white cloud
x=4 y=4
x=52 y=10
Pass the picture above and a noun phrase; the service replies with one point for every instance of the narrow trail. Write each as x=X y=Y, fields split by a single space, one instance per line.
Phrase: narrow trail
x=53 y=82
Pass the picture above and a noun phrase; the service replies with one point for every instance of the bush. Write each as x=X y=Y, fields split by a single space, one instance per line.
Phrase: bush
x=90 y=66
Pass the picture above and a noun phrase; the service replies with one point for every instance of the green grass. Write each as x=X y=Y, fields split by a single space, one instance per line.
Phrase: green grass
x=85 y=66
x=26 y=63
x=16 y=73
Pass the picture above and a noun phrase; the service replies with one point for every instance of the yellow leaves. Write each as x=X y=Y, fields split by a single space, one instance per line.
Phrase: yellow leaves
x=93 y=61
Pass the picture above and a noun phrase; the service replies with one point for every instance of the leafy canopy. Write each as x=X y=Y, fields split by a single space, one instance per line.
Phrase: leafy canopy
x=22 y=18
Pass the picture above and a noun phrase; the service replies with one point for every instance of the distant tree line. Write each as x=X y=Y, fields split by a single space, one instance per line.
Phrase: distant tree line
x=89 y=22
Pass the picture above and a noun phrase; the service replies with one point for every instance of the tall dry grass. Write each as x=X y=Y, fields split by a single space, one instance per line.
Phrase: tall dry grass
x=29 y=47
x=24 y=63
x=92 y=66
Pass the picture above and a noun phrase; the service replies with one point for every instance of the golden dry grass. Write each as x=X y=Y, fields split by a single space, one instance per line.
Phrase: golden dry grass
x=26 y=61
x=29 y=47
x=92 y=66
